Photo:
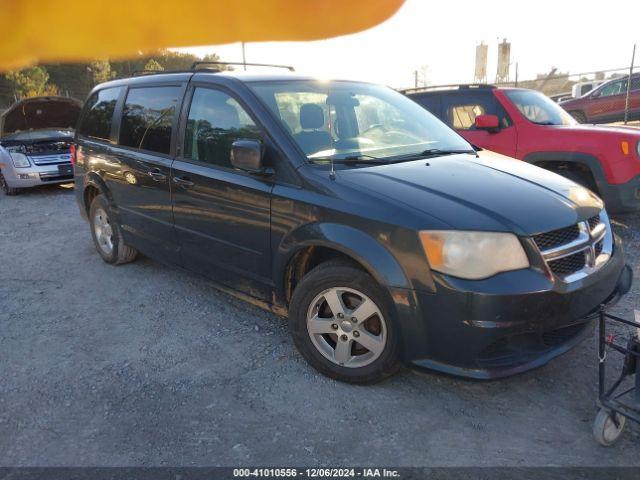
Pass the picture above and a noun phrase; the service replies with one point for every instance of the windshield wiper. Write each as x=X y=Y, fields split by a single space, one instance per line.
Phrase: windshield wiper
x=431 y=152
x=360 y=159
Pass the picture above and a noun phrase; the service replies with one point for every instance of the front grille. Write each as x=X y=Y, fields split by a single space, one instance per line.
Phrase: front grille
x=567 y=265
x=593 y=222
x=557 y=238
x=51 y=159
x=598 y=248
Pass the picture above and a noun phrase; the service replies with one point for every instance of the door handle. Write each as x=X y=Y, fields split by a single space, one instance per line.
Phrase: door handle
x=157 y=175
x=183 y=182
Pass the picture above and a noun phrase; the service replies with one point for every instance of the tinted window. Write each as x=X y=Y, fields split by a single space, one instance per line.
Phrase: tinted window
x=148 y=117
x=215 y=121
x=460 y=110
x=99 y=114
x=615 y=88
x=430 y=102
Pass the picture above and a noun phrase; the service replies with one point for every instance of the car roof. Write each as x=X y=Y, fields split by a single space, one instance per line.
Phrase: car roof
x=147 y=78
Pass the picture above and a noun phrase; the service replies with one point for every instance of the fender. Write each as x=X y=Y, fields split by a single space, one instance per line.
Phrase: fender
x=363 y=248
x=572 y=157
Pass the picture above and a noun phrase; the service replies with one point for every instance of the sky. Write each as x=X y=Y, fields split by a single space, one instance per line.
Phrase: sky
x=573 y=35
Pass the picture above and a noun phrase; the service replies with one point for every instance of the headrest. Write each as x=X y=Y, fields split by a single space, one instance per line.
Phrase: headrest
x=311 y=116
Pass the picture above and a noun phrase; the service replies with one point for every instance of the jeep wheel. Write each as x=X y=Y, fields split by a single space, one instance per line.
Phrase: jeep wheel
x=6 y=188
x=342 y=325
x=106 y=234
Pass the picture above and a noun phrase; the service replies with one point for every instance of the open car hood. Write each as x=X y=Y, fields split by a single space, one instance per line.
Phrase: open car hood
x=40 y=113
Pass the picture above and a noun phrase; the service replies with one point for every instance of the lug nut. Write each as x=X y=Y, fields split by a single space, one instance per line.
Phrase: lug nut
x=334 y=326
x=354 y=319
x=356 y=333
x=341 y=315
x=344 y=338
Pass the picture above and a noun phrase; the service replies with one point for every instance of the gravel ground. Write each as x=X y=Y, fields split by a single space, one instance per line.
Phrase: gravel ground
x=145 y=365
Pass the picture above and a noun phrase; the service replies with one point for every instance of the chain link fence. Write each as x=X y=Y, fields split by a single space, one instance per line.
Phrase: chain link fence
x=602 y=96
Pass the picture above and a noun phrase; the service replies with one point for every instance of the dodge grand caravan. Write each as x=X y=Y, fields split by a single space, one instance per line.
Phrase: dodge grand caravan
x=380 y=232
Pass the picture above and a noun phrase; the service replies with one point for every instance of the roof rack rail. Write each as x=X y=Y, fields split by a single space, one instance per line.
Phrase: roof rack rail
x=138 y=73
x=195 y=65
x=459 y=86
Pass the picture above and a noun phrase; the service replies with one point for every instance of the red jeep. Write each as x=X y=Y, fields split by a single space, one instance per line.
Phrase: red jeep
x=527 y=125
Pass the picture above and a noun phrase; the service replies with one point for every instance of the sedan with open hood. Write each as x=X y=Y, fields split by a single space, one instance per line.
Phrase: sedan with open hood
x=36 y=136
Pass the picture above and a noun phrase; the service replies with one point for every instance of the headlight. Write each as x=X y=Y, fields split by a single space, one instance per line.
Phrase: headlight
x=473 y=255
x=20 y=160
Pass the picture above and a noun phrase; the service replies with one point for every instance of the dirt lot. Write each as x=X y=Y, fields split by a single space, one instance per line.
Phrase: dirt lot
x=145 y=365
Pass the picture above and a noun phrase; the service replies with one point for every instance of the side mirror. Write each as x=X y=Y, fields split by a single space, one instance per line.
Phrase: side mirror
x=246 y=155
x=490 y=123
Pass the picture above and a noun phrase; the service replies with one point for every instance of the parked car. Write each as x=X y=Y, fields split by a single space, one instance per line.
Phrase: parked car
x=380 y=232
x=35 y=139
x=606 y=103
x=582 y=88
x=525 y=124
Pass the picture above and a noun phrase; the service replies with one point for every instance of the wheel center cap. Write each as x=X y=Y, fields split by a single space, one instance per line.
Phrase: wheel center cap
x=346 y=326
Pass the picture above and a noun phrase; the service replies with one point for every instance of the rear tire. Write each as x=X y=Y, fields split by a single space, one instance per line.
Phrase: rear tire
x=330 y=340
x=579 y=116
x=9 y=191
x=107 y=235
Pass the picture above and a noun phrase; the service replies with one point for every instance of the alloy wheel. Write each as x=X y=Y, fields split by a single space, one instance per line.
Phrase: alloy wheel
x=103 y=231
x=347 y=327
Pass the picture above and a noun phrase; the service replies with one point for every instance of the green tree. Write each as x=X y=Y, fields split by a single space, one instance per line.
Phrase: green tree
x=31 y=82
x=152 y=65
x=101 y=71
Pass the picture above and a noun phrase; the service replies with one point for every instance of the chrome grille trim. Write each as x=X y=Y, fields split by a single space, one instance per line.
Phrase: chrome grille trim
x=595 y=239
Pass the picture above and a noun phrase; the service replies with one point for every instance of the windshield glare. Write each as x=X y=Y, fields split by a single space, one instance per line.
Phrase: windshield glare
x=538 y=108
x=346 y=119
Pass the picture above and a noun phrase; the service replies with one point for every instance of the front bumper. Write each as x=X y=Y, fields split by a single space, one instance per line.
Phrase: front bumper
x=622 y=198
x=34 y=176
x=507 y=324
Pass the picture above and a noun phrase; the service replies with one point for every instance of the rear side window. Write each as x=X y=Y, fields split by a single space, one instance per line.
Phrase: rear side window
x=148 y=117
x=98 y=116
x=460 y=110
x=430 y=102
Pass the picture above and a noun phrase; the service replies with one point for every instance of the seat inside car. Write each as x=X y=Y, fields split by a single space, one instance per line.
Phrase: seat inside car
x=313 y=138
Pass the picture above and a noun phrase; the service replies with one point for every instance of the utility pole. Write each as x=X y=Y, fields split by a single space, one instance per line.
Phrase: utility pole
x=516 y=74
x=244 y=58
x=626 y=102
x=415 y=78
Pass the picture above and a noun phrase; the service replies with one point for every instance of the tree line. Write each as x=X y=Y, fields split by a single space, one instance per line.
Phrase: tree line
x=77 y=79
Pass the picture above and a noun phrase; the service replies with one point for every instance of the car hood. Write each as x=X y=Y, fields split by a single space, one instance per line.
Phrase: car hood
x=39 y=113
x=489 y=193
x=588 y=129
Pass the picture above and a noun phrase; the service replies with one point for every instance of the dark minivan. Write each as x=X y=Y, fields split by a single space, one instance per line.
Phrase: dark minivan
x=381 y=233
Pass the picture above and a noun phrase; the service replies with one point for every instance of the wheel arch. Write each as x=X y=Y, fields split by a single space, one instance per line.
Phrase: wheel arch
x=313 y=244
x=94 y=185
x=580 y=161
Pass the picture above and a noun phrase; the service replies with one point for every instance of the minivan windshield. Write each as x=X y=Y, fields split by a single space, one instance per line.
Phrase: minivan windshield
x=340 y=120
x=538 y=108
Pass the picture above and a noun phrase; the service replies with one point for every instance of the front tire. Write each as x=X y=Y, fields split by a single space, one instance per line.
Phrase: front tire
x=106 y=234
x=9 y=191
x=342 y=324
